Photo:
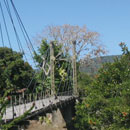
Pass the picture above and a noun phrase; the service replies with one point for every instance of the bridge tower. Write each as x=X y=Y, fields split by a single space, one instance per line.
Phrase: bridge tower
x=52 y=68
x=75 y=85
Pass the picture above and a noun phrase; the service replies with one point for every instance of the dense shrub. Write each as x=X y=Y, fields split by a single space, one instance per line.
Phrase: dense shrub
x=15 y=73
x=107 y=105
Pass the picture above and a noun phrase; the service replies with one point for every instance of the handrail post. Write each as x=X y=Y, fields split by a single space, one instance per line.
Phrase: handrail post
x=12 y=107
x=75 y=86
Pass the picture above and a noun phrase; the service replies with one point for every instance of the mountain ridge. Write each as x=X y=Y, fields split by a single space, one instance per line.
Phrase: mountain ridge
x=95 y=63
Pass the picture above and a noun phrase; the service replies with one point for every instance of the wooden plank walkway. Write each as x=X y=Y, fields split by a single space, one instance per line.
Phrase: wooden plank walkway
x=39 y=104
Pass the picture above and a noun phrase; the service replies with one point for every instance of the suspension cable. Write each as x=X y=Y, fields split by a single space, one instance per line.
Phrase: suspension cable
x=25 y=34
x=1 y=33
x=22 y=24
x=5 y=25
x=16 y=34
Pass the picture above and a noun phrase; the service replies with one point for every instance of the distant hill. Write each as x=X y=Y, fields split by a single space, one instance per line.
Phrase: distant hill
x=92 y=66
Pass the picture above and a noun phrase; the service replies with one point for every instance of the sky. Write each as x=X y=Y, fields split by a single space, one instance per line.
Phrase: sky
x=110 y=18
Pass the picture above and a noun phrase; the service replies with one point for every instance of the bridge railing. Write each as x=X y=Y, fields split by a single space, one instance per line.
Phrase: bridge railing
x=32 y=97
x=66 y=93
x=19 y=104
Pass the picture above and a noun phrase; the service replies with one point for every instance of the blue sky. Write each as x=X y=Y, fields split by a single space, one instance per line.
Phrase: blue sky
x=108 y=17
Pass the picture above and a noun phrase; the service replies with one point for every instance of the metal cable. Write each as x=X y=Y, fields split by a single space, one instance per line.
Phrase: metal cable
x=1 y=33
x=16 y=34
x=22 y=24
x=5 y=25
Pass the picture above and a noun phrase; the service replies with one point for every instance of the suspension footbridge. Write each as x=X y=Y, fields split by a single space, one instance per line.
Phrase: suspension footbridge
x=51 y=93
x=41 y=103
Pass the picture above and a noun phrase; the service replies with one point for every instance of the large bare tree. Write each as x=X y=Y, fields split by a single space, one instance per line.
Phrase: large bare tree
x=87 y=42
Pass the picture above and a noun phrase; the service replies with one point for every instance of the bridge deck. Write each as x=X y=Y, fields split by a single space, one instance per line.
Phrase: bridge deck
x=39 y=105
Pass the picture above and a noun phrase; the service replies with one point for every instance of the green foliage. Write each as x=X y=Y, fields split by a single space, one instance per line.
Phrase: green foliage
x=14 y=72
x=47 y=120
x=83 y=80
x=107 y=105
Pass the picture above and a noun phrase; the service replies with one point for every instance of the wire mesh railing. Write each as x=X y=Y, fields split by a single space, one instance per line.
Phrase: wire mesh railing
x=18 y=104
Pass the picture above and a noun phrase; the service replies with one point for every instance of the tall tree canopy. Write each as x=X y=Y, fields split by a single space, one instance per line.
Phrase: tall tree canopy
x=14 y=72
x=87 y=42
